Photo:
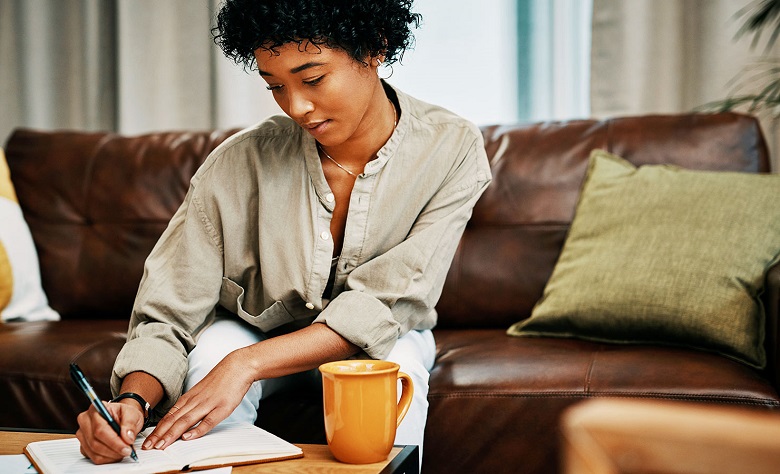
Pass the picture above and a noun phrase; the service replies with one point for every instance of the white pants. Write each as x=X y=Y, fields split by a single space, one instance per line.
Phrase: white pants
x=415 y=353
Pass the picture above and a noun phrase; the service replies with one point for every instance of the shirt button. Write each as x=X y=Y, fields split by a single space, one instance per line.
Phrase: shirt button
x=324 y=235
x=309 y=305
x=330 y=197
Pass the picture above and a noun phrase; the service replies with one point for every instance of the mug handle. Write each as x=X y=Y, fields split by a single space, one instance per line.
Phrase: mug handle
x=407 y=391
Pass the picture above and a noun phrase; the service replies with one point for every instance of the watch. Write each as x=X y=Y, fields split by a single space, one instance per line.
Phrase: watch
x=144 y=404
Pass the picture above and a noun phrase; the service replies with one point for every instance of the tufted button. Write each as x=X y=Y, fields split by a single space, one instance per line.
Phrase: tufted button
x=324 y=235
x=309 y=305
x=330 y=197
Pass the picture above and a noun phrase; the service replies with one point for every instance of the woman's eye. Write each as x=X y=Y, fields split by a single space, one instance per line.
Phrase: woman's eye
x=274 y=88
x=313 y=82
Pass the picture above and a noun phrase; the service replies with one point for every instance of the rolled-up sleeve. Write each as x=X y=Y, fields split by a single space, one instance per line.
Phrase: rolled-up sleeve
x=396 y=292
x=176 y=298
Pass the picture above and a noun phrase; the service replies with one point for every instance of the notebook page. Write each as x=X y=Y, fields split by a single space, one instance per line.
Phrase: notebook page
x=63 y=456
x=230 y=440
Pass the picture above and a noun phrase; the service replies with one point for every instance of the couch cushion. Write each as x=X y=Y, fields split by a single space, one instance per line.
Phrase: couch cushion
x=96 y=204
x=498 y=392
x=511 y=243
x=35 y=386
x=658 y=254
x=21 y=295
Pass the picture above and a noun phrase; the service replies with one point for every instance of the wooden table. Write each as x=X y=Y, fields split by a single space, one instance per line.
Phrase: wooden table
x=316 y=457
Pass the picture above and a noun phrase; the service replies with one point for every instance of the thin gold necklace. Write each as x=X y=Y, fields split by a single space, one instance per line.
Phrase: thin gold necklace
x=350 y=172
x=334 y=161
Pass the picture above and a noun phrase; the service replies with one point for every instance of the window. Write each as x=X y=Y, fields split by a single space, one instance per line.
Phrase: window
x=501 y=61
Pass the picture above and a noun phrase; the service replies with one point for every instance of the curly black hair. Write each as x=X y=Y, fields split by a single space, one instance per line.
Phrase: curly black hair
x=362 y=28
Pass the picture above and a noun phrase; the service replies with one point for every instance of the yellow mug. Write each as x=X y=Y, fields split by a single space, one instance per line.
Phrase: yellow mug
x=362 y=409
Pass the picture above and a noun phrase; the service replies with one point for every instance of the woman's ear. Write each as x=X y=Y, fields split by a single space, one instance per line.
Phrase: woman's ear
x=379 y=58
x=376 y=61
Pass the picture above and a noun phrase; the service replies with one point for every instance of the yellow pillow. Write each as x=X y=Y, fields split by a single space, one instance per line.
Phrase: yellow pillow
x=21 y=295
x=6 y=276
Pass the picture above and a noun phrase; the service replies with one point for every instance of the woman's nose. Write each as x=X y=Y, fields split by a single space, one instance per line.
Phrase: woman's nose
x=299 y=105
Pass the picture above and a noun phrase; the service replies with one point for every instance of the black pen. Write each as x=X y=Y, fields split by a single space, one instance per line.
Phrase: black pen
x=81 y=381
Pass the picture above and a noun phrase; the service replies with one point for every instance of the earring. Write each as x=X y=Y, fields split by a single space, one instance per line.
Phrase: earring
x=390 y=68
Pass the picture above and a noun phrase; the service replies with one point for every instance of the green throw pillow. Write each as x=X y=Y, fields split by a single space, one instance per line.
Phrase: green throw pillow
x=663 y=255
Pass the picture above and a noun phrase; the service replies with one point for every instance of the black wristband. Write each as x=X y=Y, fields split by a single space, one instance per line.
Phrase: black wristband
x=144 y=404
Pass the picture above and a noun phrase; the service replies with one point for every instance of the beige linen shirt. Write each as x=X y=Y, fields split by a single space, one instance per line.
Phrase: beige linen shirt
x=253 y=238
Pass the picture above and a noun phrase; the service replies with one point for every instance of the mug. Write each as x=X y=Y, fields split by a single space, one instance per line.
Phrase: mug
x=362 y=408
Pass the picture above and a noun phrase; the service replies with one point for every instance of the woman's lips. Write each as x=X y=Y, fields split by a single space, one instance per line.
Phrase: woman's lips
x=317 y=128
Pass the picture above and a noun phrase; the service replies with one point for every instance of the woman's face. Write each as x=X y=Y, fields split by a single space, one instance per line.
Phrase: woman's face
x=329 y=94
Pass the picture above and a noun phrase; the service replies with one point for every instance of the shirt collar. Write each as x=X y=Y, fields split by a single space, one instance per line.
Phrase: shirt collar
x=312 y=157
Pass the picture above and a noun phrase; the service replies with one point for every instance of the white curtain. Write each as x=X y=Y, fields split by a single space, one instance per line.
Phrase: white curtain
x=135 y=66
x=559 y=63
x=54 y=72
x=127 y=65
x=669 y=56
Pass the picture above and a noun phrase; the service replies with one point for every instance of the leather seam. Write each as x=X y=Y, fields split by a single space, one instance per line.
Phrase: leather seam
x=26 y=377
x=589 y=373
x=562 y=394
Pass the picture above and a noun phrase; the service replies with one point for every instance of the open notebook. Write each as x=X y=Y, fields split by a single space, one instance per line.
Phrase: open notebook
x=225 y=445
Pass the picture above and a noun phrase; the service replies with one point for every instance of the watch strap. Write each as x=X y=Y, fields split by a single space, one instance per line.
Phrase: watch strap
x=144 y=404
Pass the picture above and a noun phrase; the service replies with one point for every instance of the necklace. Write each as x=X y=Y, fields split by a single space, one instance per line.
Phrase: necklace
x=348 y=171
x=395 y=113
x=334 y=161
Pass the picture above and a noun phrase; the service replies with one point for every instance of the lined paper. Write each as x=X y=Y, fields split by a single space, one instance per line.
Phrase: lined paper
x=228 y=440
x=225 y=444
x=64 y=456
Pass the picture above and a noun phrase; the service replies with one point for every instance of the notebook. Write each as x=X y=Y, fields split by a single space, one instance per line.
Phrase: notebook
x=226 y=445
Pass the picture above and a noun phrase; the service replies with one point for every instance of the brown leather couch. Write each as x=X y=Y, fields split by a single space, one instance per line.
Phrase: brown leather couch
x=97 y=202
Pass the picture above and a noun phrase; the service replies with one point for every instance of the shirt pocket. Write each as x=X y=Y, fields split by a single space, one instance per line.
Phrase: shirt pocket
x=231 y=297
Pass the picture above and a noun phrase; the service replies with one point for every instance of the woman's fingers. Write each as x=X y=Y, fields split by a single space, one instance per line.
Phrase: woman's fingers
x=206 y=424
x=92 y=448
x=98 y=441
x=208 y=403
x=181 y=417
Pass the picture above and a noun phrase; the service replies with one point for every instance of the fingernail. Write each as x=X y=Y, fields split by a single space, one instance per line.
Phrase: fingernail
x=125 y=451
x=130 y=434
x=147 y=444
x=186 y=436
x=159 y=444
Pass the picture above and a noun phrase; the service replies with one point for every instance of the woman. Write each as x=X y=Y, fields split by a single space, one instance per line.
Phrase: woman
x=319 y=236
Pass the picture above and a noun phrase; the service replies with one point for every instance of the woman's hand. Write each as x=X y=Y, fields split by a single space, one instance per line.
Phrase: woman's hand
x=216 y=396
x=209 y=402
x=99 y=442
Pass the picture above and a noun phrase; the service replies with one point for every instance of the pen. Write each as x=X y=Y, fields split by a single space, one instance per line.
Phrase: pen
x=81 y=381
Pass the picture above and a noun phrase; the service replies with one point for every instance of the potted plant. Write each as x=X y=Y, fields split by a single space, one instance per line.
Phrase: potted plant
x=761 y=16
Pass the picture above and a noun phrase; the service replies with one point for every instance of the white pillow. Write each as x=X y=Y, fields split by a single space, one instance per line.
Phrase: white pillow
x=21 y=295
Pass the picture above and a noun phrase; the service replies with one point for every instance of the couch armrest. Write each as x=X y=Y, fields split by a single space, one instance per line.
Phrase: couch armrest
x=34 y=389
x=771 y=299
